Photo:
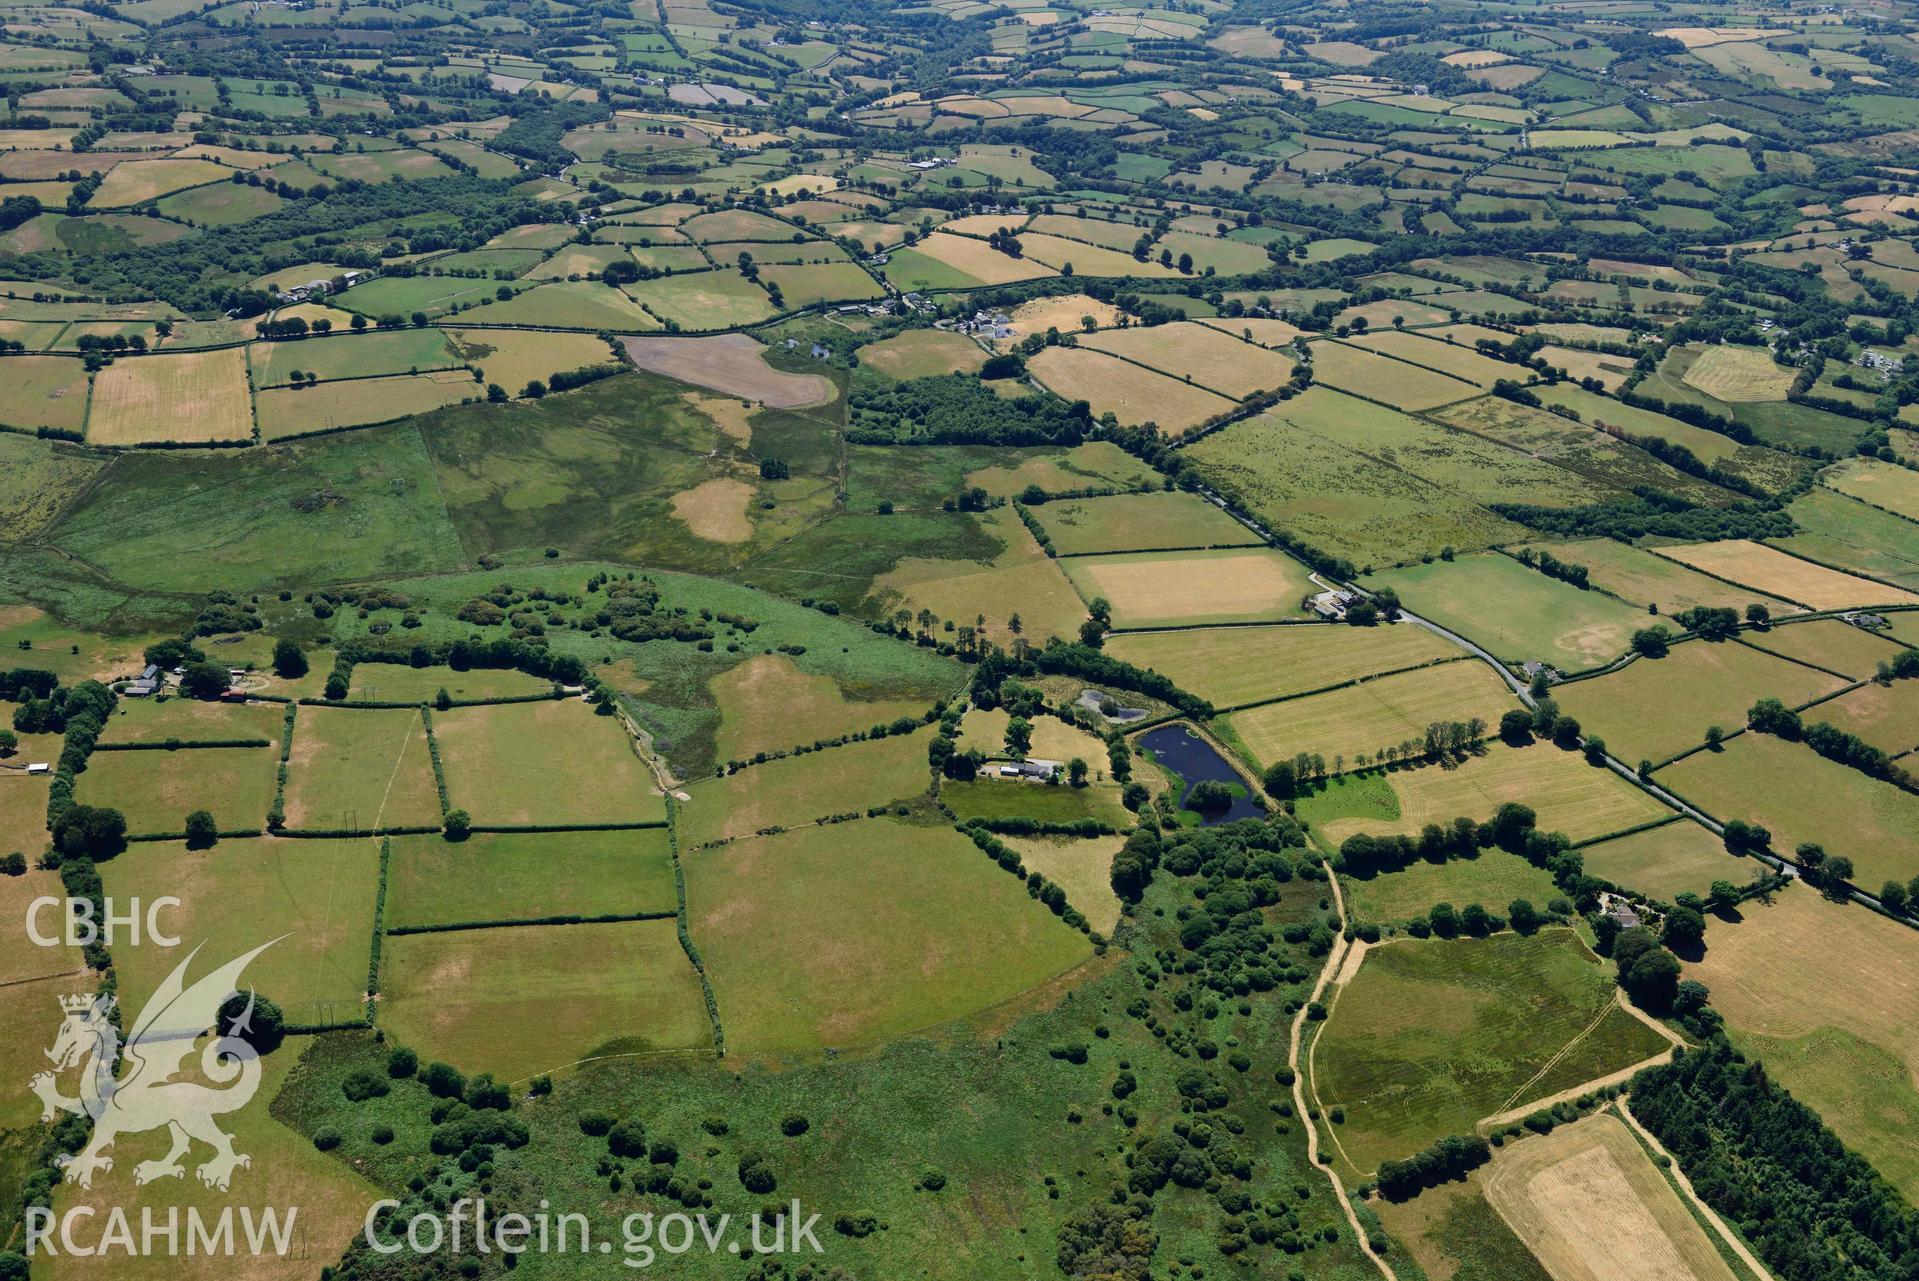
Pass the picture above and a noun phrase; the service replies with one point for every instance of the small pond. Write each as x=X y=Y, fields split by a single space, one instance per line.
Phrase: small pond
x=1178 y=750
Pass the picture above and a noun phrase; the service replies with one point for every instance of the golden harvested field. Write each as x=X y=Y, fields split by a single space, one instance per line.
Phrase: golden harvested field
x=1763 y=569
x=767 y=703
x=1064 y=312
x=1168 y=588
x=1267 y=333
x=979 y=260
x=1639 y=576
x=1781 y=983
x=1667 y=861
x=194 y=398
x=1212 y=359
x=1133 y=395
x=1374 y=714
x=1085 y=259
x=1591 y=1205
x=1229 y=666
x=733 y=364
x=1738 y=374
x=138 y=181
x=716 y=510
x=513 y=357
x=1455 y=358
x=1567 y=794
x=44 y=391
x=1393 y=382
x=358 y=402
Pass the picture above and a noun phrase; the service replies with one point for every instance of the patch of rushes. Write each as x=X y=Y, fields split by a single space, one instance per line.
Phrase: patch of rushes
x=686 y=935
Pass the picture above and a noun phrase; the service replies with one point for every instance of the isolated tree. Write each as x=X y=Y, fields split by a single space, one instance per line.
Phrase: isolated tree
x=1683 y=928
x=289 y=660
x=1019 y=737
x=9 y=742
x=205 y=680
x=202 y=831
x=458 y=825
x=1076 y=771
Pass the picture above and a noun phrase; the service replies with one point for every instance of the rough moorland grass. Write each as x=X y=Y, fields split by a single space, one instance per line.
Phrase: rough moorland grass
x=833 y=936
x=1149 y=589
x=1234 y=665
x=1533 y=1014
x=768 y=704
x=149 y=720
x=157 y=790
x=1374 y=714
x=1536 y=618
x=1294 y=470
x=1800 y=796
x=1653 y=709
x=1588 y=1201
x=1667 y=861
x=1495 y=878
x=1139 y=522
x=1568 y=795
x=360 y=769
x=522 y=1000
x=357 y=506
x=1838 y=531
x=1764 y=569
x=798 y=789
x=505 y=876
x=318 y=893
x=546 y=762
x=1841 y=1033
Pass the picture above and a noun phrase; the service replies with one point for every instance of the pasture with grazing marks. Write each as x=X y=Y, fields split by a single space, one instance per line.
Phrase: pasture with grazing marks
x=136 y=399
x=1375 y=714
x=1534 y=1014
x=527 y=999
x=1138 y=522
x=923 y=353
x=798 y=789
x=1148 y=589
x=768 y=703
x=1667 y=861
x=1591 y=1205
x=1230 y=666
x=549 y=762
x=1538 y=617
x=503 y=876
x=1737 y=374
x=1830 y=643
x=733 y=364
x=44 y=391
x=360 y=769
x=836 y=936
x=157 y=790
x=1567 y=794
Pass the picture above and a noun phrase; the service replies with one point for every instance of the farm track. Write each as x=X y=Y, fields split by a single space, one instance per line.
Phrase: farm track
x=1335 y=957
x=1711 y=1216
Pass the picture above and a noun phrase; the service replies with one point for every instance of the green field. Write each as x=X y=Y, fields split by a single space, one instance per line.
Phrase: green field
x=1011 y=798
x=1375 y=714
x=546 y=762
x=1138 y=522
x=1644 y=579
x=1493 y=879
x=360 y=770
x=318 y=894
x=528 y=876
x=522 y=1000
x=1534 y=617
x=1534 y=1015
x=401 y=682
x=1667 y=861
x=1231 y=666
x=393 y=351
x=156 y=790
x=1800 y=796
x=799 y=789
x=1655 y=708
x=1840 y=531
x=191 y=720
x=833 y=936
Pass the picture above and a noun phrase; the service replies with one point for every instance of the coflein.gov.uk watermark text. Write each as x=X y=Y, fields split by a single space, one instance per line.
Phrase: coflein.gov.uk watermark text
x=470 y=1226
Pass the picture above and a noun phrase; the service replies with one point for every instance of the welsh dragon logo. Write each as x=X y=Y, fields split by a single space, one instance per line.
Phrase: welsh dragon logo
x=146 y=1097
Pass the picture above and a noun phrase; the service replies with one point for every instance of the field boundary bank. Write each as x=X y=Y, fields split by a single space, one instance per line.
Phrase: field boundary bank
x=454 y=927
